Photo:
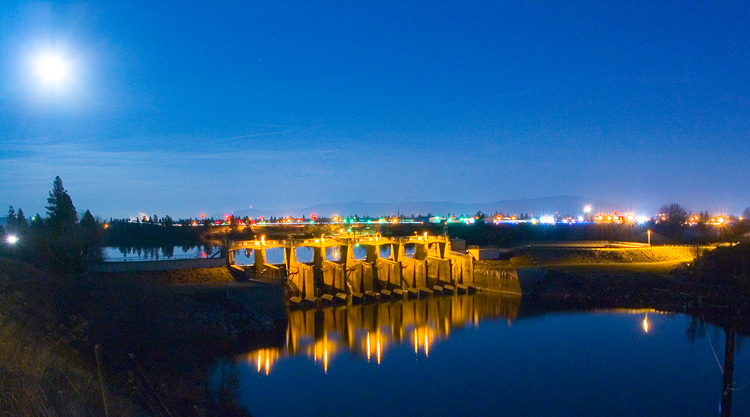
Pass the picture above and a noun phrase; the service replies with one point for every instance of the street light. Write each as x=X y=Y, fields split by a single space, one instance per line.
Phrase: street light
x=11 y=239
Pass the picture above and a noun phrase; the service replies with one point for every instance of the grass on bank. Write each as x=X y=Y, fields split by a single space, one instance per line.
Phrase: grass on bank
x=40 y=374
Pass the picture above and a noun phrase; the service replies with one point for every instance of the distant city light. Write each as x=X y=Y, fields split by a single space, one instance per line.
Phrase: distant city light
x=12 y=239
x=547 y=220
x=641 y=219
x=587 y=209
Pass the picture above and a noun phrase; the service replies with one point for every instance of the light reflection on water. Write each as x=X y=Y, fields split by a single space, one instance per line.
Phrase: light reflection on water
x=155 y=253
x=368 y=330
x=486 y=355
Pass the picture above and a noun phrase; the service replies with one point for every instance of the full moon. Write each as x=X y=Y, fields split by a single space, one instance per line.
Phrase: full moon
x=52 y=68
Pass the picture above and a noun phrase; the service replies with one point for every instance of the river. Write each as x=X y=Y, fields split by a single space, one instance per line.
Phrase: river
x=484 y=354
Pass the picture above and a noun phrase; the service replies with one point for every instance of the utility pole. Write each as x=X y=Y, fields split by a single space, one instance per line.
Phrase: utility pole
x=728 y=383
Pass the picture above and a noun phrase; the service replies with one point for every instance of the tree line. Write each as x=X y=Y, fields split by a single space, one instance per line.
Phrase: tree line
x=58 y=241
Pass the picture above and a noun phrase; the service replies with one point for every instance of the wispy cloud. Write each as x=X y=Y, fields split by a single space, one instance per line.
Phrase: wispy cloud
x=256 y=135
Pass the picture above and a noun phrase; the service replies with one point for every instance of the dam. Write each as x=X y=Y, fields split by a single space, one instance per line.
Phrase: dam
x=393 y=267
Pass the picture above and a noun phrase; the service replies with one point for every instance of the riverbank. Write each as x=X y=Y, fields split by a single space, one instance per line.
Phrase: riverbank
x=565 y=256
x=41 y=373
x=669 y=278
x=170 y=277
x=157 y=343
x=715 y=286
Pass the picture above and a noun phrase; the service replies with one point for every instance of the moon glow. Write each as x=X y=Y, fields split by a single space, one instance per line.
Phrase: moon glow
x=52 y=68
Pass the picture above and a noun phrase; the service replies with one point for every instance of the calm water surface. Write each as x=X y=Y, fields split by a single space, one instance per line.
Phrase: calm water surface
x=485 y=355
x=156 y=253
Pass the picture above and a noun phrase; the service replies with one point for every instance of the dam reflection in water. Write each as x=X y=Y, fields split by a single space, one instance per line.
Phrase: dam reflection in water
x=413 y=358
x=367 y=331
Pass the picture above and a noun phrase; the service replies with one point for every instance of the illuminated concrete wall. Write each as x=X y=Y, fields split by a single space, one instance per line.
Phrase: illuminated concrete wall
x=431 y=263
x=496 y=278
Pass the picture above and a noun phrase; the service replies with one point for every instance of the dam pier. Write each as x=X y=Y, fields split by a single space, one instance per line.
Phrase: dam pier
x=392 y=267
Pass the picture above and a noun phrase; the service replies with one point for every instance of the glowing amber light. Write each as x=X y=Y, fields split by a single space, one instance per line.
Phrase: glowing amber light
x=368 y=346
x=645 y=324
x=264 y=360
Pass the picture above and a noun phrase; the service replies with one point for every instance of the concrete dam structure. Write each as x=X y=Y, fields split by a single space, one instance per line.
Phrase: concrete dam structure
x=399 y=267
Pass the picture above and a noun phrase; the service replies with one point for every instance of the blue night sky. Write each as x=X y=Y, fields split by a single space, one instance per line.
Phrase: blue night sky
x=173 y=108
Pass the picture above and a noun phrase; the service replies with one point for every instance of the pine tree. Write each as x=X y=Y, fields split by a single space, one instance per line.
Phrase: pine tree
x=60 y=210
x=90 y=237
x=22 y=225
x=36 y=222
x=11 y=218
x=62 y=245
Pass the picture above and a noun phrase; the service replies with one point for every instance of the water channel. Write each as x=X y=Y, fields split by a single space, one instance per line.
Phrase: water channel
x=483 y=354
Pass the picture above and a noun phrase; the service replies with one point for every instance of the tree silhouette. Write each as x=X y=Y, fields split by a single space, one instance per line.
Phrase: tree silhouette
x=676 y=214
x=22 y=225
x=746 y=214
x=90 y=239
x=11 y=222
x=60 y=210
x=36 y=222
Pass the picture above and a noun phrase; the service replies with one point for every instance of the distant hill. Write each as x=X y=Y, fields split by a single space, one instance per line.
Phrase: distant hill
x=537 y=206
